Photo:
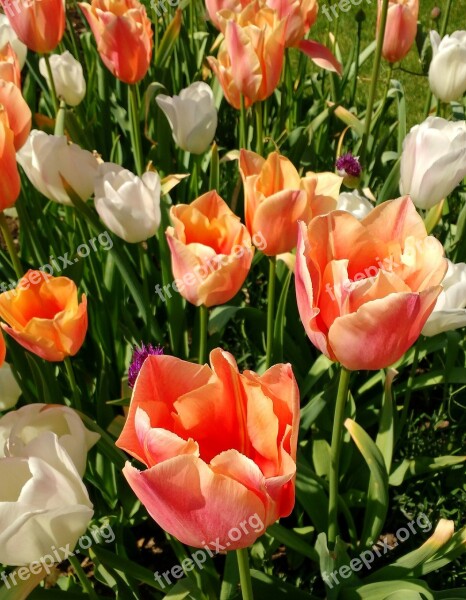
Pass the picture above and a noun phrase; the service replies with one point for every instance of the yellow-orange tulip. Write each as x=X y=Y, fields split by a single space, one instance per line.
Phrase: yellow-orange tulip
x=366 y=288
x=299 y=17
x=401 y=28
x=219 y=447
x=10 y=183
x=123 y=34
x=39 y=24
x=44 y=315
x=276 y=198
x=250 y=58
x=19 y=113
x=10 y=69
x=210 y=248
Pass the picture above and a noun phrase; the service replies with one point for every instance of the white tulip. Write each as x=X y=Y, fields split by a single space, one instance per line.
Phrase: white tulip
x=9 y=390
x=22 y=430
x=447 y=71
x=44 y=506
x=127 y=204
x=8 y=35
x=47 y=159
x=433 y=161
x=450 y=308
x=68 y=77
x=354 y=203
x=192 y=116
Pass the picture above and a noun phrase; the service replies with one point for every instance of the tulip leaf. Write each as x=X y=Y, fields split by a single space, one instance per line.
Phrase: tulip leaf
x=20 y=589
x=348 y=118
x=280 y=317
x=421 y=466
x=230 y=589
x=388 y=589
x=385 y=436
x=168 y=41
x=331 y=563
x=263 y=584
x=377 y=495
x=390 y=188
x=292 y=540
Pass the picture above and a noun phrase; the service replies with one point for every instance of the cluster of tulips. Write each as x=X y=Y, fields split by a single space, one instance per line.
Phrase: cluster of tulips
x=214 y=445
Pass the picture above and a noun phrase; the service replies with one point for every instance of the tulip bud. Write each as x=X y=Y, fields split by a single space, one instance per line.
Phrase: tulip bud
x=433 y=161
x=9 y=388
x=39 y=24
x=10 y=183
x=67 y=75
x=447 y=72
x=23 y=430
x=192 y=116
x=42 y=500
x=8 y=36
x=354 y=203
x=48 y=160
x=19 y=113
x=127 y=204
x=124 y=36
x=10 y=69
x=450 y=310
x=401 y=28
x=435 y=13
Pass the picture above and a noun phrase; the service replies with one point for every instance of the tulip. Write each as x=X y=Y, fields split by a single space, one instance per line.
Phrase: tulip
x=48 y=160
x=276 y=198
x=24 y=430
x=19 y=113
x=219 y=447
x=2 y=350
x=44 y=315
x=123 y=34
x=447 y=71
x=39 y=24
x=298 y=15
x=433 y=161
x=43 y=501
x=401 y=28
x=8 y=36
x=250 y=58
x=10 y=390
x=355 y=204
x=215 y=6
x=192 y=116
x=365 y=289
x=67 y=75
x=450 y=310
x=10 y=69
x=210 y=249
x=127 y=204
x=10 y=183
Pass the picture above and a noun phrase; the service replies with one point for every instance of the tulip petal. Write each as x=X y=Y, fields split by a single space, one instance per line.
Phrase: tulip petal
x=321 y=56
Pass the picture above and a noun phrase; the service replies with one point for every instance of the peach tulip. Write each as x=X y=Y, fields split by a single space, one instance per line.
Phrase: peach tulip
x=366 y=288
x=299 y=16
x=276 y=198
x=210 y=248
x=401 y=28
x=44 y=315
x=123 y=34
x=40 y=24
x=250 y=58
x=10 y=183
x=19 y=113
x=219 y=447
x=10 y=69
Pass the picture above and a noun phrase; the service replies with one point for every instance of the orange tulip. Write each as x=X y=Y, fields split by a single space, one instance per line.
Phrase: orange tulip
x=219 y=446
x=123 y=34
x=276 y=198
x=2 y=350
x=366 y=288
x=211 y=250
x=401 y=28
x=10 y=69
x=39 y=24
x=10 y=182
x=250 y=58
x=44 y=315
x=19 y=113
x=299 y=16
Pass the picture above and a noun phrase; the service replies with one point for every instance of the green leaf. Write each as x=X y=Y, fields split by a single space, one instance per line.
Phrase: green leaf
x=388 y=589
x=385 y=437
x=422 y=465
x=292 y=540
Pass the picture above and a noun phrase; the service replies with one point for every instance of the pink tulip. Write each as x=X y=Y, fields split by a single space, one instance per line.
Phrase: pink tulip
x=401 y=28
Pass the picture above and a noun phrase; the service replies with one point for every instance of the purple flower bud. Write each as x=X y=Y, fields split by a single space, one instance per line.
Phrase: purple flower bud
x=139 y=356
x=347 y=164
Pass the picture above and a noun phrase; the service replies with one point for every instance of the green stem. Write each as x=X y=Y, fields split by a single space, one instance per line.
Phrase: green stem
x=74 y=562
x=337 y=438
x=10 y=245
x=244 y=573
x=135 y=128
x=446 y=18
x=53 y=89
x=60 y=120
x=259 y=128
x=408 y=392
x=203 y=323
x=374 y=81
x=73 y=385
x=270 y=311
x=243 y=132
